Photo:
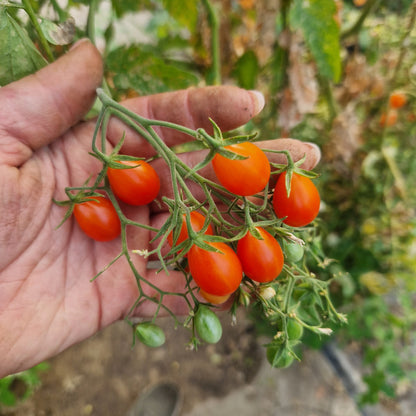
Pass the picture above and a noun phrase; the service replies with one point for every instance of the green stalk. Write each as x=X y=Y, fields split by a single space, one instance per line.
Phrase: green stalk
x=33 y=18
x=356 y=27
x=58 y=9
x=92 y=11
x=329 y=97
x=109 y=102
x=215 y=42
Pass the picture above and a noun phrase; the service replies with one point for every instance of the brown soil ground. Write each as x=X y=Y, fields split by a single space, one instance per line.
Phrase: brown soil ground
x=105 y=375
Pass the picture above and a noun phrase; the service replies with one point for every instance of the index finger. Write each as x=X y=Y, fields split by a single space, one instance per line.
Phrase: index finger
x=229 y=106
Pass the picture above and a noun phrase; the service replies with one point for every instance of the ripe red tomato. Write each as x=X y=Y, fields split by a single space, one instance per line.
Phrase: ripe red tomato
x=98 y=218
x=197 y=222
x=262 y=260
x=397 y=99
x=136 y=186
x=217 y=273
x=246 y=176
x=302 y=205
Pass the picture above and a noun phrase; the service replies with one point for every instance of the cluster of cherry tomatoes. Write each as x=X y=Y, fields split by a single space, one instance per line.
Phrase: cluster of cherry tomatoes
x=218 y=269
x=217 y=265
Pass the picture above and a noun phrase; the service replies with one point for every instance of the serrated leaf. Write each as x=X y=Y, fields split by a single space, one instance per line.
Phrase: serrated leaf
x=18 y=55
x=140 y=69
x=184 y=11
x=316 y=19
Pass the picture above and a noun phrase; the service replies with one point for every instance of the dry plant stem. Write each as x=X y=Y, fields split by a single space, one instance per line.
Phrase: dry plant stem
x=215 y=42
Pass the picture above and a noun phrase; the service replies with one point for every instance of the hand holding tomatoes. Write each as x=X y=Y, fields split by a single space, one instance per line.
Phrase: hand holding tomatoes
x=45 y=273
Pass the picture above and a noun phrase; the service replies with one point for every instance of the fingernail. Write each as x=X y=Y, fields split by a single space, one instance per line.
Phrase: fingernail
x=259 y=101
x=315 y=148
x=78 y=43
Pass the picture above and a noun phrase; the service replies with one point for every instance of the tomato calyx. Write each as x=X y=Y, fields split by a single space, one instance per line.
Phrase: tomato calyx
x=186 y=228
x=115 y=160
x=290 y=168
x=84 y=195
x=217 y=145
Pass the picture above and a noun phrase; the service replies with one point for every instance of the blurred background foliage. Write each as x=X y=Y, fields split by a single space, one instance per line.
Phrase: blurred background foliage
x=327 y=69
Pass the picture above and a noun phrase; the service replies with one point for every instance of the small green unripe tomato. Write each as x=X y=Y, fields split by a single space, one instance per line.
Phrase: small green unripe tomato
x=294 y=329
x=207 y=325
x=292 y=251
x=150 y=334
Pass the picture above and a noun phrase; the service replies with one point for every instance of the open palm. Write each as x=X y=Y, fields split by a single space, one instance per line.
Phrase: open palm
x=47 y=301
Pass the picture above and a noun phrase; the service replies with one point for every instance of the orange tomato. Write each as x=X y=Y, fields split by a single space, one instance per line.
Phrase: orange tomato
x=397 y=99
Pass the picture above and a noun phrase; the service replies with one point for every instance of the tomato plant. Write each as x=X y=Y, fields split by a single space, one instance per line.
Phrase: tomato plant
x=138 y=185
x=262 y=259
x=98 y=218
x=207 y=325
x=243 y=176
x=216 y=272
x=349 y=97
x=197 y=221
x=302 y=205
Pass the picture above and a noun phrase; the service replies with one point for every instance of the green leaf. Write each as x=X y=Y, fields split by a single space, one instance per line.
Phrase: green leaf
x=140 y=69
x=316 y=19
x=7 y=397
x=246 y=70
x=184 y=11
x=122 y=7
x=18 y=55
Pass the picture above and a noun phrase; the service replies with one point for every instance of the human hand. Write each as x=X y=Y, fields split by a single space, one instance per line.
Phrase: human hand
x=47 y=302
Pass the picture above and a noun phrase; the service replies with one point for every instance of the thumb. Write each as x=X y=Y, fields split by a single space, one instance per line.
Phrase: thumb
x=42 y=106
